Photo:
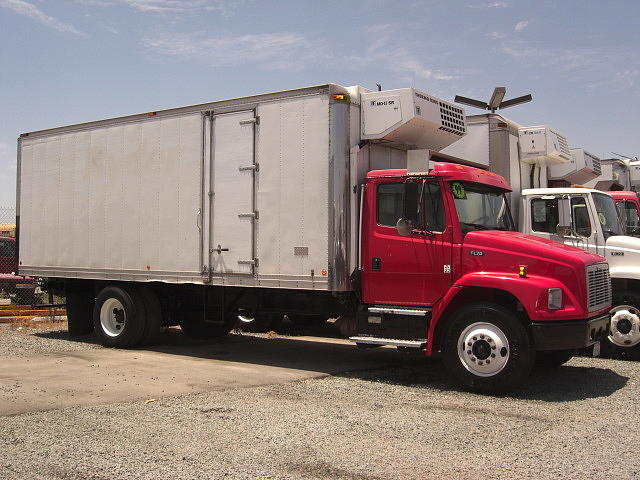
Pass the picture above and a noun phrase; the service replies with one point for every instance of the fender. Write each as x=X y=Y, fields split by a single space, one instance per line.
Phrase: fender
x=625 y=271
x=530 y=291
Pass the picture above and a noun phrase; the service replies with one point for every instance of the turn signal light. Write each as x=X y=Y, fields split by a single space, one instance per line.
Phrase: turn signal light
x=522 y=271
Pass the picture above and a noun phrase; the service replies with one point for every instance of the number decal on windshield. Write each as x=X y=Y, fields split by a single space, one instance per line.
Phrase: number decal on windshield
x=458 y=190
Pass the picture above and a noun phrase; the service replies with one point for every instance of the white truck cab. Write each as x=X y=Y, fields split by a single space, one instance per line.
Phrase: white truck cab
x=587 y=219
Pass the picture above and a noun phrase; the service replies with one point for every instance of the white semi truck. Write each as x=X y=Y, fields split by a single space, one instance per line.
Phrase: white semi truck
x=588 y=219
x=320 y=201
x=540 y=157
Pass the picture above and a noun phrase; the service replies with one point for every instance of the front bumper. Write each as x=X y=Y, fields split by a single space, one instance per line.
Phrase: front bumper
x=571 y=334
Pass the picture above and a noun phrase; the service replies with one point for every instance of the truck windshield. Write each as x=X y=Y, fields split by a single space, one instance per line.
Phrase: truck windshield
x=607 y=214
x=481 y=207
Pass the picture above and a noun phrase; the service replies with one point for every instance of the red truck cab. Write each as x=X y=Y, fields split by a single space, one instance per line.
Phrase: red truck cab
x=493 y=298
x=11 y=284
x=628 y=206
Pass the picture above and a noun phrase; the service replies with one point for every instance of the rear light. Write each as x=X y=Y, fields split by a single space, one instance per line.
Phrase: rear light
x=554 y=301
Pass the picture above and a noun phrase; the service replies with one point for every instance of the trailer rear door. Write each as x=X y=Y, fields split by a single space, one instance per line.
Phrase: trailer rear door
x=232 y=194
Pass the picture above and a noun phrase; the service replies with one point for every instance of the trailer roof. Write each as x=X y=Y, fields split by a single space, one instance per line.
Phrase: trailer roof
x=219 y=106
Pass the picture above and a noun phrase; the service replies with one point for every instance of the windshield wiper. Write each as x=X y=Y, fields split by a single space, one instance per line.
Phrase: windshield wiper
x=477 y=226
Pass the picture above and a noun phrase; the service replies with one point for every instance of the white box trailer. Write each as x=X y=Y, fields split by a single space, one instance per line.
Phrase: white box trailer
x=262 y=206
x=256 y=191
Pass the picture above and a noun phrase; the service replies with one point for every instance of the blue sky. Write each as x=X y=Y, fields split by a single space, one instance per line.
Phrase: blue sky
x=65 y=62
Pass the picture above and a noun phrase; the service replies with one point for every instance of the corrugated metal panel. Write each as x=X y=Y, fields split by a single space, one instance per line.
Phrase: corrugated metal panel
x=292 y=186
x=120 y=197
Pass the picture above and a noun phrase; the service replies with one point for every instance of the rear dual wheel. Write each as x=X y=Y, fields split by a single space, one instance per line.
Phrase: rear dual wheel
x=125 y=316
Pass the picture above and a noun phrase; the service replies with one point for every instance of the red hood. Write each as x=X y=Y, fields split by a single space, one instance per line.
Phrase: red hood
x=530 y=247
x=499 y=253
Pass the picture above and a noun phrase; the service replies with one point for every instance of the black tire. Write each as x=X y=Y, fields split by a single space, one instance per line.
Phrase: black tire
x=608 y=349
x=511 y=365
x=153 y=317
x=127 y=320
x=194 y=326
x=554 y=358
x=80 y=312
x=261 y=322
x=307 y=320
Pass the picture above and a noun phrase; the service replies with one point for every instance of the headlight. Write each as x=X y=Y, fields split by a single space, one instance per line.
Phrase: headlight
x=554 y=298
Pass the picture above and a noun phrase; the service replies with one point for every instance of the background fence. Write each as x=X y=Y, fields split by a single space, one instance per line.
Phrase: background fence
x=20 y=297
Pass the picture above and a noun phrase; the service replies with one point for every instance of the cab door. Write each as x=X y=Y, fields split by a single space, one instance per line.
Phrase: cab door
x=411 y=270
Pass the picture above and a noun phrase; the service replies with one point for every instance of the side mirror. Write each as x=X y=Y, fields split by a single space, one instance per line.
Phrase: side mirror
x=404 y=227
x=563 y=231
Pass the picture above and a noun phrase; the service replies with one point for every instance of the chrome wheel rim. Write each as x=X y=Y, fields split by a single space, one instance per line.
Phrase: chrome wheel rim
x=246 y=318
x=112 y=317
x=624 y=328
x=483 y=349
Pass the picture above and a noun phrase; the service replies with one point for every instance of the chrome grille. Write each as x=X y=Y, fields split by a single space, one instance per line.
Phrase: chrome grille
x=598 y=286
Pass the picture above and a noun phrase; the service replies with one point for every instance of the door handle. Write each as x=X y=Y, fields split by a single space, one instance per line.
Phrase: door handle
x=376 y=264
x=219 y=250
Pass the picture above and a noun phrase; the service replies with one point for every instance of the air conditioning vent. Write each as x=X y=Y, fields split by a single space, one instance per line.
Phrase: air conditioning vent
x=452 y=119
x=564 y=146
x=597 y=169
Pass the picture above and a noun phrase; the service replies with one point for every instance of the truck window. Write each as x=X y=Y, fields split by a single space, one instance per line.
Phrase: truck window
x=544 y=215
x=390 y=205
x=390 y=208
x=6 y=249
x=607 y=214
x=481 y=207
x=632 y=221
x=433 y=207
x=581 y=222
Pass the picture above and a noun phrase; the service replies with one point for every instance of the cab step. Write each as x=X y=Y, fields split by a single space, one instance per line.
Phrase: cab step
x=397 y=342
x=417 y=312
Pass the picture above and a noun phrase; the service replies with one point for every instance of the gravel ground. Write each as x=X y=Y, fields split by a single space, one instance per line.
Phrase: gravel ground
x=402 y=422
x=22 y=341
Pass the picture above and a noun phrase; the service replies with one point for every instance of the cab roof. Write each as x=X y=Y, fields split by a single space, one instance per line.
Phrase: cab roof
x=559 y=191
x=618 y=195
x=451 y=172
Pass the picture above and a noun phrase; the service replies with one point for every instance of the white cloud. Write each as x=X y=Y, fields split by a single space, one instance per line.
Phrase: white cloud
x=521 y=25
x=496 y=4
x=387 y=47
x=163 y=6
x=627 y=78
x=30 y=10
x=277 y=51
x=498 y=35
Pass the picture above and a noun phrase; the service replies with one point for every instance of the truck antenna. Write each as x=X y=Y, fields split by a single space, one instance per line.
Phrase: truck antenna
x=496 y=101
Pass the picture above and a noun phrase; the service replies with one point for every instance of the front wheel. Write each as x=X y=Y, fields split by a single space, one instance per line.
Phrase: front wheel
x=624 y=328
x=487 y=349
